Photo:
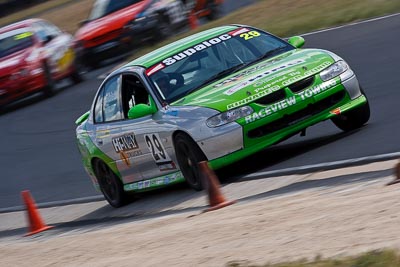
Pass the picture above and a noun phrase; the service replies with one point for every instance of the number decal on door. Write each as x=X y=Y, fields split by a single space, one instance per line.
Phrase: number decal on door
x=156 y=148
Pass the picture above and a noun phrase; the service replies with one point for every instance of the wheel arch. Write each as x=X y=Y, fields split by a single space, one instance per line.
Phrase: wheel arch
x=111 y=164
x=175 y=133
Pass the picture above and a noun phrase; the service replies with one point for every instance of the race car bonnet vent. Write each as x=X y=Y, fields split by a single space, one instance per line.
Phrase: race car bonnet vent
x=271 y=98
x=302 y=84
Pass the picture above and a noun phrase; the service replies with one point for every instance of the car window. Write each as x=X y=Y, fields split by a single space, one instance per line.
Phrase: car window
x=211 y=60
x=108 y=107
x=98 y=108
x=102 y=8
x=112 y=109
x=51 y=29
x=14 y=41
x=40 y=31
x=133 y=92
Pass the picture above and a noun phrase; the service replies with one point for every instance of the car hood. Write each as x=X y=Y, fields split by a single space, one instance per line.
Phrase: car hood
x=110 y=22
x=259 y=80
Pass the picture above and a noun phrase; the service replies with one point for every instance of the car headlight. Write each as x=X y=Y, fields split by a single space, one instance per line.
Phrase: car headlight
x=229 y=116
x=334 y=70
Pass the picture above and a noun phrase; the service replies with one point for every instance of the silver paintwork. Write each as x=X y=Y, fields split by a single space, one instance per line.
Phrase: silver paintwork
x=163 y=124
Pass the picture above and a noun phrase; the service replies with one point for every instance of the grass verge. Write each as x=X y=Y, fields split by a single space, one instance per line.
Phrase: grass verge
x=384 y=258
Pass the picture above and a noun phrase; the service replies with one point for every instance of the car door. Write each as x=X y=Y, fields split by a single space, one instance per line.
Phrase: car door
x=141 y=148
x=154 y=153
x=108 y=135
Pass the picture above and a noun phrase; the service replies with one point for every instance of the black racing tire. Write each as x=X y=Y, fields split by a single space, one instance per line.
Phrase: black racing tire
x=163 y=30
x=215 y=11
x=353 y=119
x=48 y=89
x=110 y=185
x=189 y=155
x=77 y=76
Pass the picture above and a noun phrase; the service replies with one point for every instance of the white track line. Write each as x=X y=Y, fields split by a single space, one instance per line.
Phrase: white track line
x=351 y=24
x=323 y=166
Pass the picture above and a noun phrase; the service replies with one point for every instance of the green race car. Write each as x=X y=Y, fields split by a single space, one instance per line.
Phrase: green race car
x=219 y=95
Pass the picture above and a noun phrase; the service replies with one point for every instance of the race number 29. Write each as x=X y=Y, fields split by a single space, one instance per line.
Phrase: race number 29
x=156 y=148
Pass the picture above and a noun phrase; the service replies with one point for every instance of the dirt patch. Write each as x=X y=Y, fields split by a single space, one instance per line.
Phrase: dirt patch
x=320 y=220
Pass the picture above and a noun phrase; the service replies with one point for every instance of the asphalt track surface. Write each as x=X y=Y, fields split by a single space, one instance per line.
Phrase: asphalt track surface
x=38 y=135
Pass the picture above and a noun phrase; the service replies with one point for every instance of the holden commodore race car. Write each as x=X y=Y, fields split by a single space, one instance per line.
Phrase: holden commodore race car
x=33 y=55
x=217 y=96
x=116 y=26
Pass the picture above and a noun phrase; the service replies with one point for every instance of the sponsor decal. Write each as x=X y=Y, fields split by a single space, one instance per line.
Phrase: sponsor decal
x=195 y=49
x=125 y=158
x=262 y=75
x=288 y=102
x=155 y=182
x=22 y=35
x=238 y=32
x=154 y=69
x=172 y=112
x=159 y=153
x=242 y=32
x=125 y=143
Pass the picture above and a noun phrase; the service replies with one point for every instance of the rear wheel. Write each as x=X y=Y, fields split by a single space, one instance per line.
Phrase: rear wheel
x=110 y=185
x=353 y=119
x=189 y=155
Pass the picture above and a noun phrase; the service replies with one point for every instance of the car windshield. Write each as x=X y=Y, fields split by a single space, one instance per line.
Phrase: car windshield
x=211 y=60
x=102 y=8
x=14 y=41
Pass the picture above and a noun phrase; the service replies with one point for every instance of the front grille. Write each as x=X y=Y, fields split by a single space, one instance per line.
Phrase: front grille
x=271 y=98
x=288 y=120
x=302 y=84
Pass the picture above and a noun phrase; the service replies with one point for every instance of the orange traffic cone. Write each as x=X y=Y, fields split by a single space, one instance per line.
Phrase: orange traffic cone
x=216 y=199
x=193 y=23
x=36 y=224
x=397 y=173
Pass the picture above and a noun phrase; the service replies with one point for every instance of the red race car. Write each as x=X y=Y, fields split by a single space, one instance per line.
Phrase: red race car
x=115 y=27
x=34 y=54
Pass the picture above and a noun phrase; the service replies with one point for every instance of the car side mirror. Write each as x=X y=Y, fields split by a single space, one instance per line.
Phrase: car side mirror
x=48 y=38
x=141 y=110
x=82 y=118
x=296 y=41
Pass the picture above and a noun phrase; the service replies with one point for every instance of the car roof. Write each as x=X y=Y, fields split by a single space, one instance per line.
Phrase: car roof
x=156 y=56
x=20 y=24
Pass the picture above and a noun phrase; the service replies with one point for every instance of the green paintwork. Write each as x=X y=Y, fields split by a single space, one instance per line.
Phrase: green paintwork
x=261 y=143
x=82 y=118
x=214 y=97
x=90 y=151
x=296 y=41
x=141 y=110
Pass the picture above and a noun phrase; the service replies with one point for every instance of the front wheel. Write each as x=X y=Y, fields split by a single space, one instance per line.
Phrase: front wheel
x=48 y=89
x=110 y=185
x=189 y=155
x=353 y=119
